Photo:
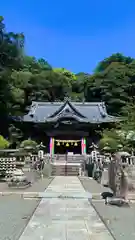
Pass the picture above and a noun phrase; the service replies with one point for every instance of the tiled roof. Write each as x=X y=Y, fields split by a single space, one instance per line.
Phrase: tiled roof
x=93 y=112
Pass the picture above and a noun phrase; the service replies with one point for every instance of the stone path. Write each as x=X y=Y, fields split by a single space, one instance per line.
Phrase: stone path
x=61 y=218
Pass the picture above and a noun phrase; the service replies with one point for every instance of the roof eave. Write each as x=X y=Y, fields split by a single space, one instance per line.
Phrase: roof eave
x=114 y=119
x=58 y=119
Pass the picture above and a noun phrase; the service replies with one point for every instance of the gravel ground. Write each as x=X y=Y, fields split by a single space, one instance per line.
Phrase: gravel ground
x=120 y=221
x=15 y=213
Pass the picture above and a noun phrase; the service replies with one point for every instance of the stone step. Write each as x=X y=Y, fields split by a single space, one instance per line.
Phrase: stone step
x=62 y=170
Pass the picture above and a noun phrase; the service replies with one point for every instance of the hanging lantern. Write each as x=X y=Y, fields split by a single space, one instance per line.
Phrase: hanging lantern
x=76 y=144
x=58 y=143
x=67 y=144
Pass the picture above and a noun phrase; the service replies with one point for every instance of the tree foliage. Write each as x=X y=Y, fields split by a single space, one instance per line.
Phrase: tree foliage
x=110 y=140
x=114 y=58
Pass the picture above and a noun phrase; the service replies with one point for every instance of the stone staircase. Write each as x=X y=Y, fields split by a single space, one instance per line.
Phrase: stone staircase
x=78 y=158
x=63 y=165
x=65 y=169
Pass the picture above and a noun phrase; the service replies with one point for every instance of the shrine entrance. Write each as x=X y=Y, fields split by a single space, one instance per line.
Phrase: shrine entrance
x=67 y=146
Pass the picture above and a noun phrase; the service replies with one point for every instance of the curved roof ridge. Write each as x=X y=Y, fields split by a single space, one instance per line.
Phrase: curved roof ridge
x=56 y=118
x=62 y=108
x=58 y=110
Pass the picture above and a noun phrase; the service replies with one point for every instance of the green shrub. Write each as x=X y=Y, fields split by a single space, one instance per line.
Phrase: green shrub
x=28 y=143
x=3 y=143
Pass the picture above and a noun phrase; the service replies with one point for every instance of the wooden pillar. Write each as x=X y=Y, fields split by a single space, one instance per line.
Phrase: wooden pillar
x=83 y=146
x=51 y=146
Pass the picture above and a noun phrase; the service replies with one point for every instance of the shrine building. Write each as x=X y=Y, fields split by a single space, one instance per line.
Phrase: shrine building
x=66 y=127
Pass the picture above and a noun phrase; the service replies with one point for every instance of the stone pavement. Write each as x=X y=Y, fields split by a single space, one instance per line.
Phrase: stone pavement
x=63 y=218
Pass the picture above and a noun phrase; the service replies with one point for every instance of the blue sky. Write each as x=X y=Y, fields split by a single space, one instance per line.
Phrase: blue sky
x=73 y=34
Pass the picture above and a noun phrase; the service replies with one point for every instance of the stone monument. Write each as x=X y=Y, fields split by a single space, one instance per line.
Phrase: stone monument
x=118 y=180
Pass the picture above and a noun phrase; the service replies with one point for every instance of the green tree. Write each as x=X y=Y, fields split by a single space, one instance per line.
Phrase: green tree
x=111 y=86
x=79 y=87
x=127 y=126
x=11 y=48
x=71 y=76
x=49 y=86
x=35 y=66
x=111 y=140
x=21 y=91
x=11 y=52
x=114 y=58
x=15 y=135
